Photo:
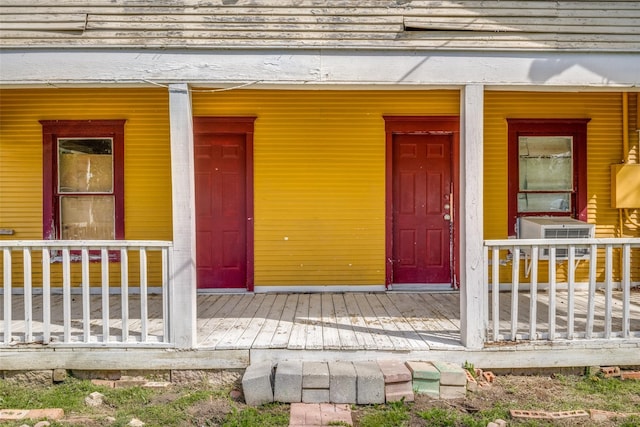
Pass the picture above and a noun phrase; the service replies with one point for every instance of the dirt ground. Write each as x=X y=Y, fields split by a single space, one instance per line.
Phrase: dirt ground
x=533 y=392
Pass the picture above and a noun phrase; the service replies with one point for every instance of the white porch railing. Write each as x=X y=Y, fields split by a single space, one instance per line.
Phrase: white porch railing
x=84 y=292
x=562 y=289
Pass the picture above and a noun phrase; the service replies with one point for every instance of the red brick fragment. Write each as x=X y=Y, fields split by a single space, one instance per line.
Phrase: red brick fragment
x=537 y=415
x=610 y=371
x=544 y=415
x=630 y=375
x=488 y=376
x=472 y=384
x=104 y=383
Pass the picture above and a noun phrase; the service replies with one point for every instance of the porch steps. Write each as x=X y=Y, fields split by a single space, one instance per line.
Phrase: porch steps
x=365 y=382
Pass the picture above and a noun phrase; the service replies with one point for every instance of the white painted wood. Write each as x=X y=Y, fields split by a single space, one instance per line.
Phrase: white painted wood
x=495 y=291
x=404 y=326
x=593 y=264
x=258 y=289
x=552 y=293
x=470 y=217
x=46 y=296
x=361 y=329
x=314 y=328
x=349 y=69
x=298 y=335
x=626 y=289
x=166 y=263
x=246 y=326
x=66 y=290
x=104 y=283
x=28 y=310
x=144 y=310
x=330 y=334
x=571 y=266
x=285 y=324
x=265 y=338
x=348 y=340
x=608 y=272
x=533 y=303
x=515 y=280
x=124 y=296
x=86 y=296
x=7 y=294
x=183 y=283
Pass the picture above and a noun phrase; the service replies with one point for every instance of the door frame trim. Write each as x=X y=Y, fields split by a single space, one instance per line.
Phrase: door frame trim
x=236 y=125
x=398 y=125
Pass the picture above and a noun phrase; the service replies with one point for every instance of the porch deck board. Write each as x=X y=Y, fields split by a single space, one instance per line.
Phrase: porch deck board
x=581 y=299
x=390 y=321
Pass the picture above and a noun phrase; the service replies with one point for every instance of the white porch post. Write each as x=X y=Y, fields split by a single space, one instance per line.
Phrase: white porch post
x=182 y=315
x=472 y=316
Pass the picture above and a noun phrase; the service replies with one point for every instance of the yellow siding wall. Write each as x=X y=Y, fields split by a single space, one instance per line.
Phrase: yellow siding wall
x=319 y=161
x=147 y=155
x=604 y=147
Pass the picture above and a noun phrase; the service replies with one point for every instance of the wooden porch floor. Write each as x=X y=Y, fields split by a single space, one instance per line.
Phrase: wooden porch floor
x=390 y=321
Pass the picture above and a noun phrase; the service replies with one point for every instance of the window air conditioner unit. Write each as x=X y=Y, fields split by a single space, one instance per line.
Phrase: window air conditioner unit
x=549 y=227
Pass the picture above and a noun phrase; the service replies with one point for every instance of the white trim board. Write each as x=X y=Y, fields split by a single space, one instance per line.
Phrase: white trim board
x=315 y=67
x=319 y=288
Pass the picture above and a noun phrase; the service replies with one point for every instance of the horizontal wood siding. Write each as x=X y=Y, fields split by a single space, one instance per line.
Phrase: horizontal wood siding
x=447 y=25
x=319 y=178
x=604 y=148
x=147 y=159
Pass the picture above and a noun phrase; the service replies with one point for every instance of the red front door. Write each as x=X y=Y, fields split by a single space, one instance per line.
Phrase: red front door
x=421 y=208
x=222 y=217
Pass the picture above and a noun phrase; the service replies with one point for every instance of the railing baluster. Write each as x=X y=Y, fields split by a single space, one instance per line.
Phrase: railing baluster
x=124 y=293
x=495 y=292
x=571 y=290
x=514 y=292
x=86 y=296
x=28 y=295
x=104 y=267
x=626 y=290
x=533 y=303
x=552 y=293
x=591 y=303
x=66 y=293
x=143 y=295
x=165 y=294
x=8 y=318
x=608 y=306
x=46 y=296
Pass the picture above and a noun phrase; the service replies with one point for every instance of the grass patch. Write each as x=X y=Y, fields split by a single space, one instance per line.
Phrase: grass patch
x=271 y=415
x=395 y=414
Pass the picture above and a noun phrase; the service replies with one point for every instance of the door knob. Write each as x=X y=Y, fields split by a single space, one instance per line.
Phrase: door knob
x=447 y=217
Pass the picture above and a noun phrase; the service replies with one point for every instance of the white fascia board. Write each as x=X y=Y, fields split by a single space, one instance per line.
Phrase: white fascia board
x=321 y=68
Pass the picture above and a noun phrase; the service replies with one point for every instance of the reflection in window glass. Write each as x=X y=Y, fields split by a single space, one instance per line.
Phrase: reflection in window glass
x=545 y=163
x=545 y=173
x=87 y=217
x=85 y=165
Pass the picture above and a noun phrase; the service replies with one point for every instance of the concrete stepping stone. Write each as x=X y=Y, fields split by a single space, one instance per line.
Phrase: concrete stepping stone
x=315 y=382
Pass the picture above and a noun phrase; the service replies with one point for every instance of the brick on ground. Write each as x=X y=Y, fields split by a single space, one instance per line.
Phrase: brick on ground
x=342 y=382
x=453 y=391
x=257 y=383
x=394 y=371
x=315 y=375
x=451 y=374
x=319 y=414
x=315 y=395
x=426 y=378
x=288 y=382
x=398 y=391
x=370 y=383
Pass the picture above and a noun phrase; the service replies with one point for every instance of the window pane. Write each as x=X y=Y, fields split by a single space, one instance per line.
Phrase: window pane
x=544 y=202
x=87 y=217
x=545 y=163
x=85 y=165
